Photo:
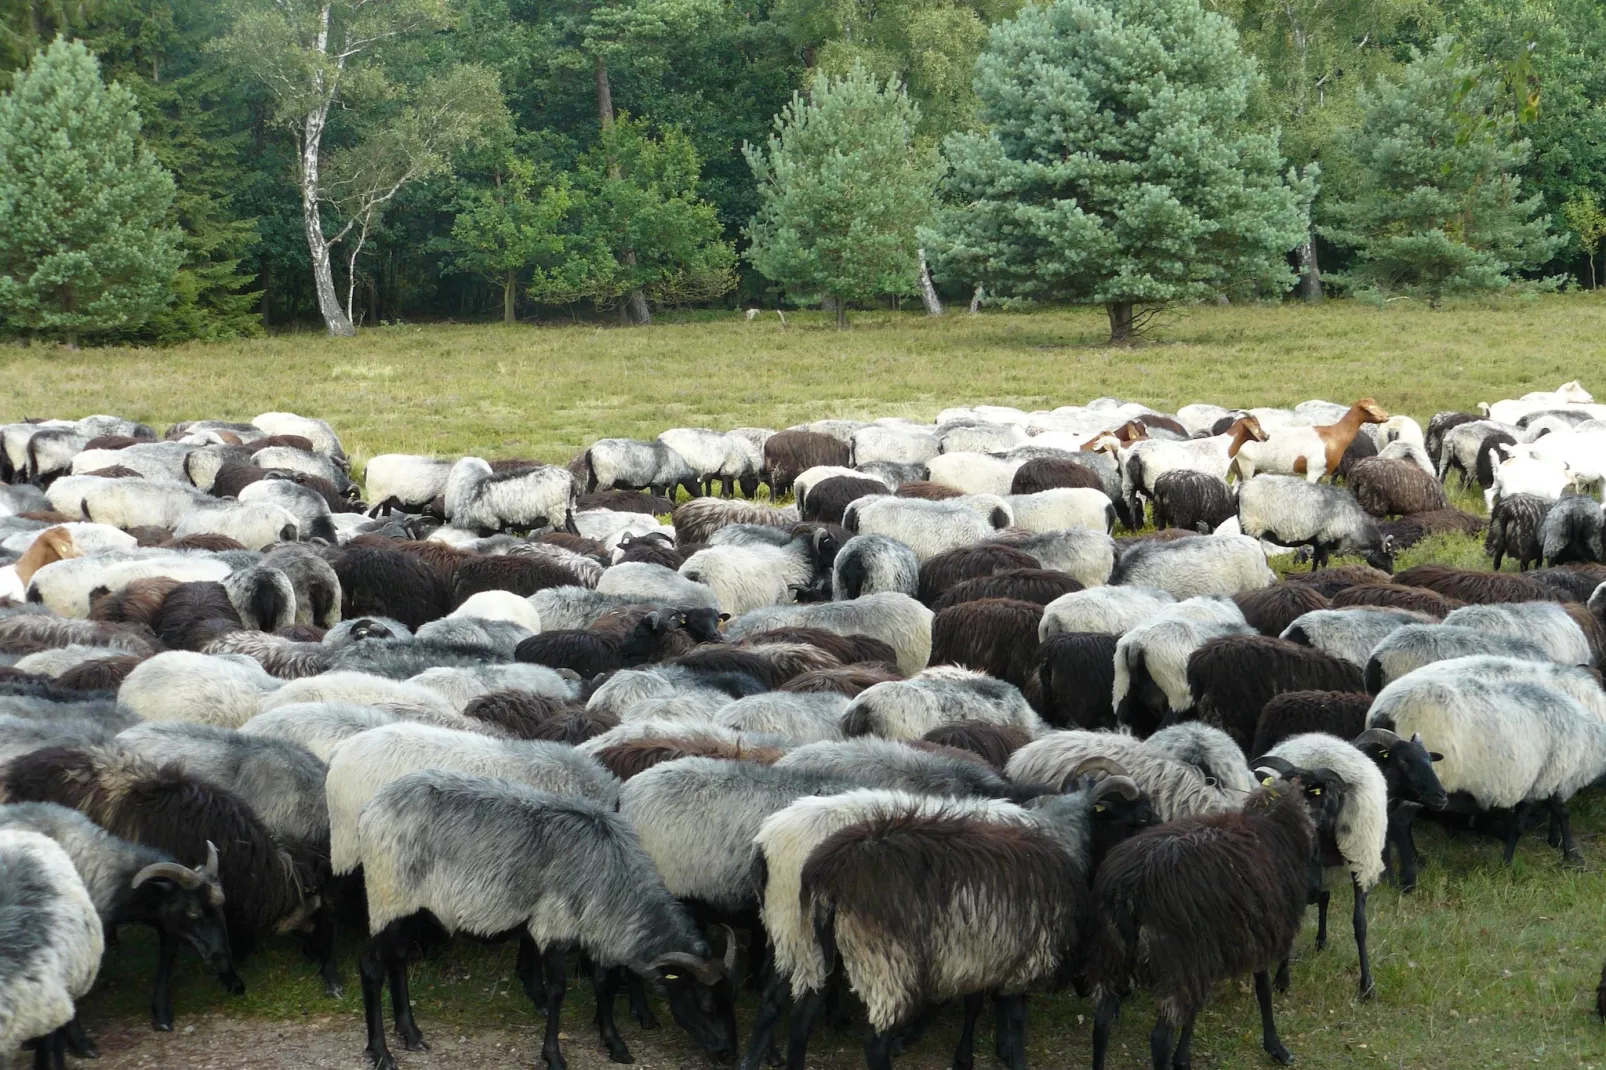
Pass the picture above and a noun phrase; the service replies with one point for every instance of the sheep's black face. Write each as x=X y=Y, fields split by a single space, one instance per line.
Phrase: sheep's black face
x=703 y=624
x=192 y=916
x=1117 y=818
x=1381 y=559
x=1407 y=766
x=706 y=1012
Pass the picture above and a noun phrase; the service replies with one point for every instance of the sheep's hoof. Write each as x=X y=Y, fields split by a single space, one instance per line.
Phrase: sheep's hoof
x=1281 y=981
x=646 y=1019
x=162 y=1027
x=413 y=1040
x=1368 y=991
x=1279 y=1053
x=382 y=1059
x=1574 y=859
x=334 y=989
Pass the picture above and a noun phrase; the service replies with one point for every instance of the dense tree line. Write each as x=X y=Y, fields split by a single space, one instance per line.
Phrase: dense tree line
x=345 y=162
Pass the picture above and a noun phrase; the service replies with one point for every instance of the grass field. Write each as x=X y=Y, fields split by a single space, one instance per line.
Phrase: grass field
x=1482 y=967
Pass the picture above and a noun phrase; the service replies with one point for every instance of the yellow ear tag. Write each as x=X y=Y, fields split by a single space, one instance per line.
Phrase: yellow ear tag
x=1385 y=755
x=1266 y=783
x=1098 y=808
x=1315 y=791
x=671 y=977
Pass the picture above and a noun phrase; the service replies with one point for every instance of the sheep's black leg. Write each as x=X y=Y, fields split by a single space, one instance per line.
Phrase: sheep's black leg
x=78 y=1041
x=836 y=1006
x=758 y=947
x=1103 y=1018
x=1563 y=820
x=603 y=984
x=1182 y=1058
x=323 y=946
x=1321 y=918
x=805 y=1008
x=1268 y=1024
x=1012 y=1012
x=965 y=1050
x=1401 y=819
x=1160 y=1038
x=1282 y=976
x=161 y=992
x=371 y=970
x=640 y=1009
x=770 y=1006
x=527 y=968
x=878 y=1051
x=1367 y=989
x=401 y=1004
x=1519 y=817
x=552 y=966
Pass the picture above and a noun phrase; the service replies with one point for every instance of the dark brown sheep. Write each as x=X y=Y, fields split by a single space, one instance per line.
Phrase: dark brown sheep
x=625 y=760
x=518 y=713
x=1293 y=713
x=575 y=725
x=519 y=573
x=1074 y=680
x=952 y=567
x=1396 y=596
x=1477 y=587
x=993 y=743
x=378 y=582
x=1395 y=488
x=232 y=477
x=924 y=488
x=1049 y=473
x=623 y=501
x=827 y=499
x=849 y=680
x=996 y=636
x=787 y=454
x=1233 y=677
x=1329 y=581
x=194 y=614
x=99 y=674
x=846 y=649
x=203 y=541
x=1270 y=610
x=1038 y=585
x=576 y=544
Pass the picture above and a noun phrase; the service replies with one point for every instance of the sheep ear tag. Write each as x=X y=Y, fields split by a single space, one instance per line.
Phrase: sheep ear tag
x=1098 y=808
x=1266 y=781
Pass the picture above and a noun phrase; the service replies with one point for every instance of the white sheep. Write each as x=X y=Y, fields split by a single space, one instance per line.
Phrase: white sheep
x=1063 y=508
x=225 y=690
x=1102 y=610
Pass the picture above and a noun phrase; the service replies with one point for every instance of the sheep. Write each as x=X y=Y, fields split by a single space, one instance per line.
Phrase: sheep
x=1395 y=596
x=1074 y=680
x=743 y=578
x=943 y=571
x=1350 y=634
x=895 y=475
x=1516 y=524
x=1296 y=512
x=1193 y=500
x=895 y=619
x=902 y=766
x=850 y=680
x=1312 y=451
x=908 y=709
x=1507 y=743
x=388 y=583
x=319 y=435
x=1270 y=610
x=1063 y=508
x=523 y=498
x=64 y=587
x=1388 y=487
x=53 y=943
x=1232 y=678
x=1571 y=393
x=974 y=473
x=51 y=451
x=1151 y=660
x=697 y=520
x=1103 y=610
x=1545 y=624
x=313 y=580
x=1238 y=910
x=310 y=509
x=431 y=843
x=905 y=444
x=978 y=436
x=1410 y=452
x=1025 y=873
x=805 y=718
x=22 y=499
x=993 y=743
x=175 y=811
x=30 y=632
x=1472 y=586
x=401 y=698
x=991 y=635
x=926 y=527
x=871 y=564
x=1293 y=713
x=1187 y=769
x=714 y=455
x=826 y=500
x=224 y=690
x=1047 y=473
x=1572 y=530
x=1195 y=565
x=1088 y=557
x=123 y=503
x=317 y=726
x=403 y=481
x=363 y=764
x=1035 y=585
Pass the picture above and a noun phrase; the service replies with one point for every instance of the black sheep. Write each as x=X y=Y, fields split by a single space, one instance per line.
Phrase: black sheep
x=652 y=548
x=1395 y=488
x=1361 y=448
x=1038 y=585
x=378 y=582
x=1198 y=900
x=846 y=649
x=1075 y=675
x=827 y=499
x=1442 y=424
x=624 y=501
x=1576 y=580
x=194 y=614
x=996 y=636
x=951 y=567
x=1233 y=677
x=1516 y=524
x=1049 y=473
x=1293 y=713
x=519 y=573
x=1270 y=610
x=1572 y=531
x=1194 y=501
x=1407 y=767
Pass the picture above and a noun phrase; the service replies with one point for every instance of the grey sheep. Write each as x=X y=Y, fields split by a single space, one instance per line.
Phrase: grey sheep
x=1572 y=530
x=870 y=564
x=895 y=619
x=943 y=694
x=1086 y=556
x=1195 y=565
x=1415 y=645
x=518 y=500
x=629 y=464
x=1545 y=624
x=1296 y=512
x=1516 y=529
x=1350 y=633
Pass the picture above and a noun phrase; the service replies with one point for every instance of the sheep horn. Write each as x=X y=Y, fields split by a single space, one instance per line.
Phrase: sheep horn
x=730 y=950
x=1380 y=736
x=184 y=876
x=210 y=869
x=1098 y=764
x=1281 y=766
x=705 y=970
x=1117 y=784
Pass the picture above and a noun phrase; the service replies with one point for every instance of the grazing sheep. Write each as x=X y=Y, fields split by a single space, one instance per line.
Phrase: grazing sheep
x=1192 y=500
x=1270 y=610
x=809 y=717
x=1350 y=634
x=789 y=453
x=1103 y=610
x=224 y=690
x=974 y=473
x=951 y=567
x=1293 y=713
x=1414 y=646
x=1151 y=660
x=1233 y=677
x=1571 y=531
x=1195 y=565
x=1238 y=910
x=992 y=742
x=1088 y=557
x=313 y=580
x=849 y=680
x=748 y=577
x=895 y=619
x=1472 y=586
x=992 y=635
x=826 y=500
x=1062 y=509
x=1048 y=473
x=908 y=709
x=407 y=482
x=715 y=455
x=926 y=527
x=1035 y=585
x=1395 y=596
x=1297 y=512
x=435 y=844
x=902 y=444
x=53 y=943
x=1144 y=462
x=871 y=564
x=696 y=521
x=1392 y=488
x=1074 y=674
x=896 y=765
x=1544 y=624
x=485 y=501
x=251 y=524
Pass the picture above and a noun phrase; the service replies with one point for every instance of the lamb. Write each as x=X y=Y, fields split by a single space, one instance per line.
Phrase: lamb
x=1507 y=743
x=1516 y=525
x=1233 y=677
x=1074 y=680
x=1186 y=769
x=1151 y=660
x=1193 y=500
x=521 y=499
x=130 y=884
x=1571 y=531
x=1390 y=488
x=895 y=619
x=908 y=709
x=1102 y=610
x=1238 y=910
x=715 y=455
x=430 y=842
x=53 y=943
x=1545 y=624
x=1360 y=828
x=1195 y=565
x=1296 y=512
x=926 y=527
x=992 y=635
x=696 y=521
x=871 y=564
x=1088 y=557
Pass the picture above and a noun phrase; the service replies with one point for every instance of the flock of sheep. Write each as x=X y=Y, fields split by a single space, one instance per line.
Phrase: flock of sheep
x=932 y=734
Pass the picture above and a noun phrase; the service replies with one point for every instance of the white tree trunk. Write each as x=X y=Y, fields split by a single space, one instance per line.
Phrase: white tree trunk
x=323 y=277
x=975 y=301
x=928 y=292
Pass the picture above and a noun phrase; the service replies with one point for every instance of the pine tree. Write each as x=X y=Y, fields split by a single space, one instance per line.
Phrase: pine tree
x=1117 y=167
x=85 y=243
x=1439 y=210
x=843 y=187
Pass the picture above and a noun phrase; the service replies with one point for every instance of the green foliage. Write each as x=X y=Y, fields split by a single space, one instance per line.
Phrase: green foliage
x=1117 y=167
x=650 y=208
x=1439 y=210
x=843 y=187
x=85 y=244
x=1587 y=222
